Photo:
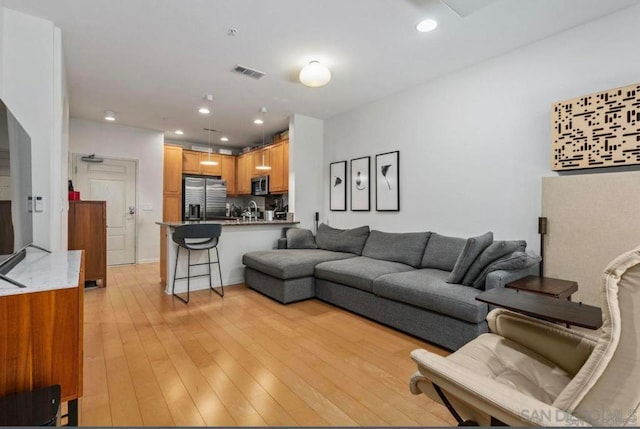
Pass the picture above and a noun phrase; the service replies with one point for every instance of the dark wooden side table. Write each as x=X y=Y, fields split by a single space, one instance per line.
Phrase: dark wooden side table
x=544 y=307
x=556 y=288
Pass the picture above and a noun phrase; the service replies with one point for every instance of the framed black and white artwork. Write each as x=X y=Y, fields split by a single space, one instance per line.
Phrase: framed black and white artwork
x=361 y=184
x=388 y=182
x=338 y=186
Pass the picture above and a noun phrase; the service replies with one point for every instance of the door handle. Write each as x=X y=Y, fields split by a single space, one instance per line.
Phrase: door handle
x=132 y=210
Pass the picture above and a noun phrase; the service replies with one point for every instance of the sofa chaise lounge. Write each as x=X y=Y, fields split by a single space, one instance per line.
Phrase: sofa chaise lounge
x=422 y=283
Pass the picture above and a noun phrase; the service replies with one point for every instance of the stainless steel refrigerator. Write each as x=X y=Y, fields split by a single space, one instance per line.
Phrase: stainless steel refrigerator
x=203 y=198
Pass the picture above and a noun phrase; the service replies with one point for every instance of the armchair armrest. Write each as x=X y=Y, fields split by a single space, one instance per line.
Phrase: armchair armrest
x=567 y=348
x=282 y=243
x=498 y=279
x=496 y=399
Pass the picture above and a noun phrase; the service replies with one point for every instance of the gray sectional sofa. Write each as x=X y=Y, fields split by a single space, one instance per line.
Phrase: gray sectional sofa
x=403 y=280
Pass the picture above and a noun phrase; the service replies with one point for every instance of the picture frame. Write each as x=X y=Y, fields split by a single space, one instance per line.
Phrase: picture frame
x=338 y=186
x=361 y=184
x=388 y=182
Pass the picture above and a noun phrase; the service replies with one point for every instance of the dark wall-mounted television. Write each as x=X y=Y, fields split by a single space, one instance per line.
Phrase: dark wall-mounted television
x=16 y=202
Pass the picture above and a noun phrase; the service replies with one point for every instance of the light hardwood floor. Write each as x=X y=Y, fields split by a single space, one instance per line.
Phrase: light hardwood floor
x=243 y=360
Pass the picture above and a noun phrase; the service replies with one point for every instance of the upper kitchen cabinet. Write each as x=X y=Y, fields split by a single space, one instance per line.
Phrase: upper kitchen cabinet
x=172 y=170
x=229 y=173
x=279 y=175
x=211 y=170
x=190 y=162
x=244 y=168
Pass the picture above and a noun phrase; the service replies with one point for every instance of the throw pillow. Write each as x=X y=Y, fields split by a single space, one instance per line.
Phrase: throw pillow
x=298 y=238
x=342 y=240
x=472 y=249
x=514 y=262
x=497 y=250
x=442 y=252
x=406 y=248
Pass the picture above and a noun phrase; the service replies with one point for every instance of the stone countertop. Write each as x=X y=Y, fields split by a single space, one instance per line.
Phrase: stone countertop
x=41 y=271
x=231 y=223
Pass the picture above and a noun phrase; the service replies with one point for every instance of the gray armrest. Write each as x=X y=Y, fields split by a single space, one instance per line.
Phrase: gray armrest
x=282 y=243
x=498 y=279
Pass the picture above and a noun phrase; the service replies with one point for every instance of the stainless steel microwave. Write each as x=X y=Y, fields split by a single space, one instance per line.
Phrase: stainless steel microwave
x=260 y=185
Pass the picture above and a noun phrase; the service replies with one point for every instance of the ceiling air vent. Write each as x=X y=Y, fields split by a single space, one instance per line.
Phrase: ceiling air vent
x=249 y=72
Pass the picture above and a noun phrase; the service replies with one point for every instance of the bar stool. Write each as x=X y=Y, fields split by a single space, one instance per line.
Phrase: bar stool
x=39 y=407
x=197 y=237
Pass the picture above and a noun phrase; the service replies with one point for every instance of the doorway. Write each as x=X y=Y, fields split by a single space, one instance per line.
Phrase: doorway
x=113 y=181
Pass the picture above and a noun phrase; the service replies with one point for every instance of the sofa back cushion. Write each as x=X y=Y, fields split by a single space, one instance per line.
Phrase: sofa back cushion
x=472 y=249
x=497 y=250
x=406 y=248
x=298 y=238
x=442 y=252
x=342 y=240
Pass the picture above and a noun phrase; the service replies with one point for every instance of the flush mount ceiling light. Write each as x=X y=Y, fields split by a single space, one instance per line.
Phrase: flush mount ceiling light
x=224 y=139
x=179 y=132
x=208 y=161
x=109 y=115
x=427 y=25
x=204 y=110
x=263 y=166
x=258 y=121
x=315 y=75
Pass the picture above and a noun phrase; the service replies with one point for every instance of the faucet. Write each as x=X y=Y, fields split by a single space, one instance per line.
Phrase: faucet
x=255 y=205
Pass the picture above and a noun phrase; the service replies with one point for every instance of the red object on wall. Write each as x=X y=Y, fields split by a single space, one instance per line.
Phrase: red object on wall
x=74 y=195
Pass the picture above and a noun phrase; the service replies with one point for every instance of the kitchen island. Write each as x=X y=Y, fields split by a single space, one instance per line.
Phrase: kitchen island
x=238 y=237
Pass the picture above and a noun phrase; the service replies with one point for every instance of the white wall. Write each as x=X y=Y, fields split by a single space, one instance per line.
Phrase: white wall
x=305 y=160
x=475 y=144
x=145 y=146
x=32 y=75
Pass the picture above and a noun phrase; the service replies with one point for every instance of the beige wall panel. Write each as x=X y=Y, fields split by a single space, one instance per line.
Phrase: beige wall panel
x=597 y=130
x=591 y=220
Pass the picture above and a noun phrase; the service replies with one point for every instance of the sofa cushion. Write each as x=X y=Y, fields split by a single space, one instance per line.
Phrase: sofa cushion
x=406 y=248
x=472 y=249
x=497 y=250
x=298 y=238
x=359 y=272
x=427 y=288
x=442 y=252
x=513 y=262
x=342 y=240
x=290 y=263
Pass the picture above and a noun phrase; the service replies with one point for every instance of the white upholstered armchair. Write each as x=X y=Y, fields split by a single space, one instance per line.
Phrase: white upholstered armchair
x=528 y=372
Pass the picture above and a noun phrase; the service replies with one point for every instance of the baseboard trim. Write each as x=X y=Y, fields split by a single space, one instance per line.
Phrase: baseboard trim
x=149 y=261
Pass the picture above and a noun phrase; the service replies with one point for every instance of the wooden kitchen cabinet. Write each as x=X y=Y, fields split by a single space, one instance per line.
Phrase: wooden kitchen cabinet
x=243 y=174
x=171 y=198
x=88 y=232
x=279 y=175
x=190 y=162
x=229 y=173
x=172 y=170
x=211 y=170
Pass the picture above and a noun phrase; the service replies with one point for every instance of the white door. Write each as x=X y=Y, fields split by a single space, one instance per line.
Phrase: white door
x=113 y=181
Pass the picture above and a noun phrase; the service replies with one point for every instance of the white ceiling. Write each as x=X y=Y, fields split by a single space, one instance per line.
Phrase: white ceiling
x=152 y=61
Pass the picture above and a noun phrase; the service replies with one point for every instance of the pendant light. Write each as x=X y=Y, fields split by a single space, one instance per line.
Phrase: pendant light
x=209 y=161
x=263 y=166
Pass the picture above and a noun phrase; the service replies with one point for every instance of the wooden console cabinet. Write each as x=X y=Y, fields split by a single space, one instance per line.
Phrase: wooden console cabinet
x=42 y=336
x=88 y=232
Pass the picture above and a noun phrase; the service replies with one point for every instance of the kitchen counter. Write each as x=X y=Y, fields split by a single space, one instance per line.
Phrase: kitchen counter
x=238 y=237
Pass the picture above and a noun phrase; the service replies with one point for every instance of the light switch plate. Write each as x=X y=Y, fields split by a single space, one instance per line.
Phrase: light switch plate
x=39 y=204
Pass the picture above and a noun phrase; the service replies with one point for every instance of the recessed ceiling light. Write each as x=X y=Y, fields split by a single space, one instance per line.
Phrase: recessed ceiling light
x=109 y=115
x=224 y=139
x=204 y=110
x=258 y=122
x=179 y=132
x=427 y=25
